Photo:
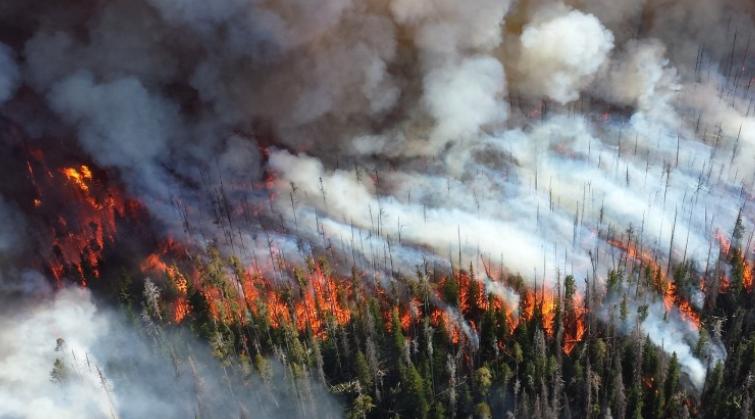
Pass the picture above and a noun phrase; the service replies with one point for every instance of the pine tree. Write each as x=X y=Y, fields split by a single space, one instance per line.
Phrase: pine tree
x=669 y=387
x=451 y=290
x=363 y=371
x=488 y=335
x=413 y=399
x=619 y=394
x=59 y=373
x=361 y=406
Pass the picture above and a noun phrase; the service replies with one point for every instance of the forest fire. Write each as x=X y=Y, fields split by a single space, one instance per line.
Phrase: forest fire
x=442 y=317
x=319 y=300
x=170 y=251
x=747 y=276
x=574 y=323
x=671 y=297
x=307 y=190
x=633 y=253
x=723 y=242
x=544 y=308
x=164 y=264
x=79 y=176
x=87 y=211
x=689 y=314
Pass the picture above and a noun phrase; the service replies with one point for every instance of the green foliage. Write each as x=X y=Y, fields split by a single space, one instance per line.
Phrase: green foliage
x=570 y=288
x=482 y=411
x=738 y=267
x=682 y=277
x=483 y=379
x=702 y=342
x=363 y=371
x=672 y=377
x=642 y=313
x=738 y=232
x=451 y=290
x=263 y=367
x=615 y=281
x=413 y=399
x=361 y=406
x=59 y=373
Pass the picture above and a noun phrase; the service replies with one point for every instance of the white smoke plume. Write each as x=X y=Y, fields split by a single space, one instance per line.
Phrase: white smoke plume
x=29 y=351
x=667 y=330
x=503 y=293
x=463 y=85
x=561 y=51
x=464 y=97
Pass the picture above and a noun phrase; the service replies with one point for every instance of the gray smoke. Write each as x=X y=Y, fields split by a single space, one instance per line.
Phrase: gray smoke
x=9 y=73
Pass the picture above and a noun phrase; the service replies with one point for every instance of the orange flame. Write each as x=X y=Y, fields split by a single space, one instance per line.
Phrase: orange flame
x=77 y=238
x=181 y=309
x=154 y=264
x=723 y=242
x=79 y=176
x=666 y=288
x=574 y=324
x=545 y=305
x=452 y=328
x=307 y=309
x=747 y=278
x=689 y=314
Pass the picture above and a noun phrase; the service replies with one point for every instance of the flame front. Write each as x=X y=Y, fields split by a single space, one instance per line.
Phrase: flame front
x=671 y=297
x=574 y=323
x=78 y=214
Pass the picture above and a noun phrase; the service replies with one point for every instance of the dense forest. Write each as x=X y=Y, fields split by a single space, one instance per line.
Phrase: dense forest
x=439 y=344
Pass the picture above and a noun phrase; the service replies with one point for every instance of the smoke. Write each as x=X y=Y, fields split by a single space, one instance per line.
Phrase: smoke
x=9 y=73
x=29 y=352
x=464 y=97
x=64 y=356
x=121 y=125
x=640 y=77
x=667 y=330
x=561 y=50
x=503 y=293
x=396 y=133
x=462 y=82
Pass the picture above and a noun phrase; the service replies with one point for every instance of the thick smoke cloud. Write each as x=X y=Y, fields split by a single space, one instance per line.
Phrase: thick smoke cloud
x=120 y=124
x=539 y=133
x=562 y=50
x=29 y=351
x=640 y=76
x=464 y=97
x=9 y=73
x=462 y=83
